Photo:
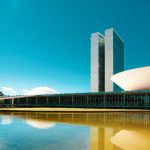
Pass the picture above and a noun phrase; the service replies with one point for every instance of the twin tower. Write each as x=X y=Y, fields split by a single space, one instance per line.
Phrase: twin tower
x=107 y=59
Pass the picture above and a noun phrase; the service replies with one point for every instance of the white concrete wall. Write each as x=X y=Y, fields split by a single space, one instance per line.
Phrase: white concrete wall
x=96 y=38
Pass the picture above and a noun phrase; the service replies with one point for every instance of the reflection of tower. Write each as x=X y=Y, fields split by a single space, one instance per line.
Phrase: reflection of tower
x=100 y=138
x=97 y=138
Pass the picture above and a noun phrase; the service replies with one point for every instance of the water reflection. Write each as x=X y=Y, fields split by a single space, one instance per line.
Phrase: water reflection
x=40 y=124
x=108 y=131
x=132 y=140
x=5 y=120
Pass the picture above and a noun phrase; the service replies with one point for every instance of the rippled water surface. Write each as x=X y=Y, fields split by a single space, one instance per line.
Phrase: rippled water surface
x=74 y=131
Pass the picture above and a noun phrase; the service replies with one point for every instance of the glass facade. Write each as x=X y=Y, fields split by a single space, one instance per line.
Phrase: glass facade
x=122 y=100
x=118 y=57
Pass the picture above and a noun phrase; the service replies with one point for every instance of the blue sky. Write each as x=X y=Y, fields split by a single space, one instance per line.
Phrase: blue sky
x=47 y=42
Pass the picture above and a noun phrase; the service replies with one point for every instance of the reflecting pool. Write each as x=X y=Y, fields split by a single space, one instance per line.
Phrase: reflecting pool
x=74 y=131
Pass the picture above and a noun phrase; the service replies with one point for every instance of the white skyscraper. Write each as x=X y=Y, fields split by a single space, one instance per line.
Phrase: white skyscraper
x=97 y=62
x=107 y=58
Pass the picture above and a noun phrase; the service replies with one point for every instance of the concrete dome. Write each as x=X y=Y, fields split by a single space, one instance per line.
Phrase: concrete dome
x=134 y=79
x=41 y=91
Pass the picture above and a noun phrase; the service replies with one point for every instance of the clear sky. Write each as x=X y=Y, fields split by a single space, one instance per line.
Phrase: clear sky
x=47 y=42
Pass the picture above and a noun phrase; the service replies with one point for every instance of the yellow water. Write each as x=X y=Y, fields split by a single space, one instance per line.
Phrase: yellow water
x=79 y=131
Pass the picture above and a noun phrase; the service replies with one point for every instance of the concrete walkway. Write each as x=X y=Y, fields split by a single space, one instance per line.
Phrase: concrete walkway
x=73 y=109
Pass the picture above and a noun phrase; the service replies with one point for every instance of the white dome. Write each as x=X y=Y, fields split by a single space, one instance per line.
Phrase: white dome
x=134 y=79
x=41 y=91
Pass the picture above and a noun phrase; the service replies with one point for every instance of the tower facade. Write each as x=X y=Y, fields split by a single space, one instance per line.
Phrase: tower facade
x=97 y=62
x=114 y=58
x=107 y=58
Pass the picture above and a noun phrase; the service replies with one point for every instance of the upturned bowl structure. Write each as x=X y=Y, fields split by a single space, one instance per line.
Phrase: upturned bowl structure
x=134 y=79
